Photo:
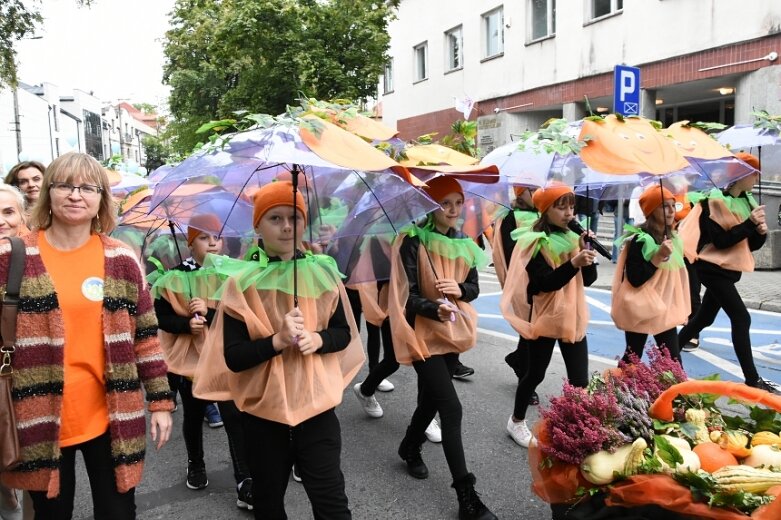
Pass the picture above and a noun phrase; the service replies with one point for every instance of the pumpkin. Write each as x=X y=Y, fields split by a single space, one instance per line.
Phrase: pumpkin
x=764 y=456
x=693 y=142
x=628 y=146
x=713 y=457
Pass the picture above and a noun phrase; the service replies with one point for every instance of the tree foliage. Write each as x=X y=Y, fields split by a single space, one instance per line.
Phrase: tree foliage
x=157 y=152
x=225 y=56
x=18 y=20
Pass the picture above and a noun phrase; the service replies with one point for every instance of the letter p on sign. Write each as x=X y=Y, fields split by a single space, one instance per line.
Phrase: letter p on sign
x=626 y=90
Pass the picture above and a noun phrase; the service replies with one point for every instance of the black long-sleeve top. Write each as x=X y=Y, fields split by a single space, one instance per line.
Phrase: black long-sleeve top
x=509 y=225
x=417 y=304
x=167 y=319
x=638 y=270
x=713 y=233
x=243 y=352
x=544 y=278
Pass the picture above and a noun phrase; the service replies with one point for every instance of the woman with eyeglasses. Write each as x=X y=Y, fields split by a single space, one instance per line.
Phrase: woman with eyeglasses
x=86 y=344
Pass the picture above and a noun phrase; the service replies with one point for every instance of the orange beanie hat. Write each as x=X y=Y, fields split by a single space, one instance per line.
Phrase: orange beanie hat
x=543 y=198
x=205 y=223
x=653 y=197
x=518 y=190
x=440 y=187
x=279 y=193
x=749 y=159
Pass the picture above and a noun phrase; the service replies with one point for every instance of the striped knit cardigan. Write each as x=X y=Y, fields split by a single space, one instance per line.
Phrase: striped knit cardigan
x=133 y=358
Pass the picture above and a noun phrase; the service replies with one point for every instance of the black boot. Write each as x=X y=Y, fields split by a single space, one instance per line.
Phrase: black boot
x=470 y=507
x=411 y=455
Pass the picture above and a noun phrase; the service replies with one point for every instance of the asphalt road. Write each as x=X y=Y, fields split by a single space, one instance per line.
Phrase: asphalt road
x=377 y=484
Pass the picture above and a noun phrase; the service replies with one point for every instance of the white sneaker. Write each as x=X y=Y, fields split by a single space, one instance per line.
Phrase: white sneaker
x=434 y=432
x=369 y=404
x=519 y=432
x=385 y=386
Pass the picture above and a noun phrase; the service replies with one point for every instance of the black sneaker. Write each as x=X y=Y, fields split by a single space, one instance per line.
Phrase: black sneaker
x=463 y=371
x=244 y=491
x=534 y=400
x=692 y=345
x=767 y=386
x=196 y=475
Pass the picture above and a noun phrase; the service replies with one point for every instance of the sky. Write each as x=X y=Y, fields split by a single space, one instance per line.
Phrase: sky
x=113 y=48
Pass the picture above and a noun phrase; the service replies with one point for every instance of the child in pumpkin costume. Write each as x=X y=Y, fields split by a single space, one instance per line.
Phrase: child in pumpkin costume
x=286 y=367
x=544 y=298
x=725 y=227
x=185 y=308
x=651 y=285
x=433 y=277
x=523 y=216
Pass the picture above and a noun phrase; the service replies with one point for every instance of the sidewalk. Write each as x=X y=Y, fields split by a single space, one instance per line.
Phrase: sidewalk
x=759 y=290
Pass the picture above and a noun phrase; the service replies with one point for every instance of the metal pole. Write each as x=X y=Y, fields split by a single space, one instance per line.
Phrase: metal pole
x=17 y=124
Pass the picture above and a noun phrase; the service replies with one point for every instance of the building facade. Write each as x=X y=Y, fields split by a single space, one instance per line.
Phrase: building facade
x=526 y=61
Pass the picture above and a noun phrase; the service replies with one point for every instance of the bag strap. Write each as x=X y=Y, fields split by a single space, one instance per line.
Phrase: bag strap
x=11 y=303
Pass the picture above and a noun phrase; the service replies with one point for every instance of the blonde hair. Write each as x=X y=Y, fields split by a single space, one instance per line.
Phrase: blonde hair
x=67 y=168
x=17 y=195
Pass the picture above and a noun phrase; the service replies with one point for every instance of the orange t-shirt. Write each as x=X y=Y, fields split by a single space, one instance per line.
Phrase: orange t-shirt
x=78 y=281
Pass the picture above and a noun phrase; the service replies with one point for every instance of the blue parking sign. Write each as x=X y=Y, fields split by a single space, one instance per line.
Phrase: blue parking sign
x=626 y=90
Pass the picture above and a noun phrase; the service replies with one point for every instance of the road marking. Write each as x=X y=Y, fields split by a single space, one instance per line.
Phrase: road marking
x=514 y=340
x=768 y=353
x=598 y=304
x=721 y=364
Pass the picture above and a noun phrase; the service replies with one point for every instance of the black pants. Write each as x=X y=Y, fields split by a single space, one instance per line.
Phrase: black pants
x=192 y=429
x=386 y=367
x=540 y=352
x=720 y=293
x=372 y=331
x=437 y=394
x=635 y=342
x=107 y=502
x=314 y=446
x=694 y=289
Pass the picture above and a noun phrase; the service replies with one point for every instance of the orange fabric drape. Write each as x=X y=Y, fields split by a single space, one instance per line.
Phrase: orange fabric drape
x=735 y=258
x=290 y=387
x=661 y=303
x=428 y=337
x=561 y=314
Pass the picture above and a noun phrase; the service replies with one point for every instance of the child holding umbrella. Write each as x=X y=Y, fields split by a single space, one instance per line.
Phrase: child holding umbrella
x=433 y=279
x=185 y=311
x=287 y=348
x=544 y=298
x=651 y=285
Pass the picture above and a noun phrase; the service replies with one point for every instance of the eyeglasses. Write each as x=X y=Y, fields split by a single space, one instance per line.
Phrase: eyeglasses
x=86 y=190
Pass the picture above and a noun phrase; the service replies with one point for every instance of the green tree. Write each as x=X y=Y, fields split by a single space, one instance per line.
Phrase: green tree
x=225 y=56
x=18 y=20
x=146 y=108
x=157 y=152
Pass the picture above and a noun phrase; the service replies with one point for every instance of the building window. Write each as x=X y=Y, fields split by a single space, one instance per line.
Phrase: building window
x=600 y=8
x=453 y=48
x=542 y=19
x=493 y=32
x=421 y=61
x=387 y=78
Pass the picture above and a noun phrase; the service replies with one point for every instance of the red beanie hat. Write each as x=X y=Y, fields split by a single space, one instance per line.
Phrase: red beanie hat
x=205 y=223
x=278 y=193
x=749 y=159
x=543 y=198
x=440 y=187
x=653 y=197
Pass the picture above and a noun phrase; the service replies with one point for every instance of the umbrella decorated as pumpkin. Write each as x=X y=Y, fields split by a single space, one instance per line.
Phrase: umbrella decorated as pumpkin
x=322 y=159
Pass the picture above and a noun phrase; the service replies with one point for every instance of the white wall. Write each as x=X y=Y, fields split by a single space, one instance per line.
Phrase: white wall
x=34 y=126
x=645 y=31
